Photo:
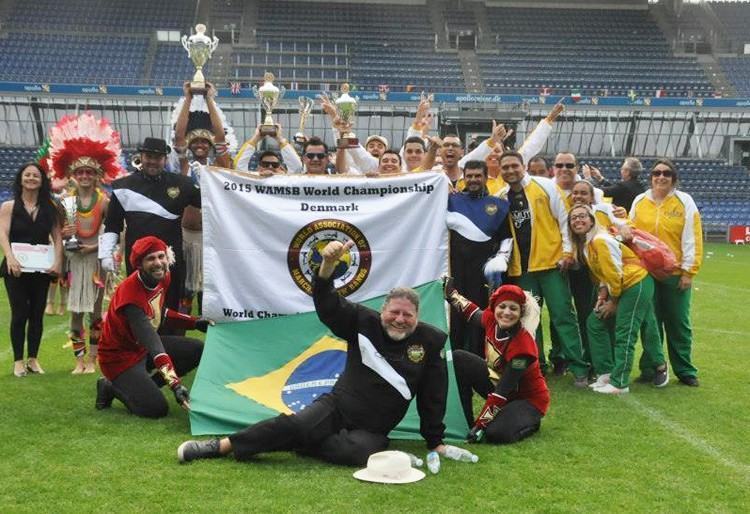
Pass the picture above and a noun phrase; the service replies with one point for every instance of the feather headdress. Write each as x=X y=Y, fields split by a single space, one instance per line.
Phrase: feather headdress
x=85 y=141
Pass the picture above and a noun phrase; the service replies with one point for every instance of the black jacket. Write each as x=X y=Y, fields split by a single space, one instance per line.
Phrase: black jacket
x=622 y=193
x=381 y=376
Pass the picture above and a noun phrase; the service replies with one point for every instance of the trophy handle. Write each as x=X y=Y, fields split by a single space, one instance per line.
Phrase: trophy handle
x=282 y=91
x=184 y=40
x=214 y=44
x=255 y=91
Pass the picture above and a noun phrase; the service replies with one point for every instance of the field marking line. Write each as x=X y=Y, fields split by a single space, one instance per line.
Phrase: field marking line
x=722 y=331
x=703 y=283
x=689 y=437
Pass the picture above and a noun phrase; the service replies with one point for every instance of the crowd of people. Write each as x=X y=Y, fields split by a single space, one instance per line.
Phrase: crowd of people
x=523 y=233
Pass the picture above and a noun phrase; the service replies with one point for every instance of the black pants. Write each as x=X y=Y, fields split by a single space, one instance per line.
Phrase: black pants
x=517 y=420
x=27 y=296
x=318 y=431
x=139 y=390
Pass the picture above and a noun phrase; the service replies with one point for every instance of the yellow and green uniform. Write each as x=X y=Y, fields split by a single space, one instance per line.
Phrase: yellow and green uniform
x=494 y=185
x=614 y=266
x=676 y=221
x=538 y=223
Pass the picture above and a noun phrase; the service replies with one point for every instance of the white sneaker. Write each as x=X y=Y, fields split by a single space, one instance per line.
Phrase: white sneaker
x=601 y=381
x=610 y=389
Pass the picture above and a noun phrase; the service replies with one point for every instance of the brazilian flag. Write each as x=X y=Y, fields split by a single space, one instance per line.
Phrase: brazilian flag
x=251 y=371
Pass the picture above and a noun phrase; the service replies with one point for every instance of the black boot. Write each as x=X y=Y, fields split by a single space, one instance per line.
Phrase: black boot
x=105 y=393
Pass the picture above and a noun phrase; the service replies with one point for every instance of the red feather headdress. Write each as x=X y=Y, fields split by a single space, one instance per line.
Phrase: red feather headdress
x=78 y=141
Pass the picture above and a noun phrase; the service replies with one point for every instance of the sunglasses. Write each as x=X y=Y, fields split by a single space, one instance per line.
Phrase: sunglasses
x=312 y=156
x=660 y=173
x=270 y=164
x=568 y=165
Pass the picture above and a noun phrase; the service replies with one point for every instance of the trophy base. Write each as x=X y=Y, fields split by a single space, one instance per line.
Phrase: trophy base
x=268 y=130
x=198 y=88
x=72 y=245
x=347 y=142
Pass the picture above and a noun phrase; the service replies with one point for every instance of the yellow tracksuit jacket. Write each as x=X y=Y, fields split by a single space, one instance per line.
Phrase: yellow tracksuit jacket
x=677 y=222
x=611 y=263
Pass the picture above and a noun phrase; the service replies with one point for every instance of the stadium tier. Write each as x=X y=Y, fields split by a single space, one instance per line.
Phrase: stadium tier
x=592 y=51
x=318 y=44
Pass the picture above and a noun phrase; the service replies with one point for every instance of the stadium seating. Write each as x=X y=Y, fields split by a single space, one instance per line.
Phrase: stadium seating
x=736 y=19
x=589 y=51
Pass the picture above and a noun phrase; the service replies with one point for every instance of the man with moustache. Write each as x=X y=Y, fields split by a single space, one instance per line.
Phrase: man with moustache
x=150 y=202
x=134 y=359
x=391 y=358
x=479 y=240
x=538 y=221
x=315 y=156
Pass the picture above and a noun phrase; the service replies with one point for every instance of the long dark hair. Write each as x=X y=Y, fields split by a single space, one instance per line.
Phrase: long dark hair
x=46 y=201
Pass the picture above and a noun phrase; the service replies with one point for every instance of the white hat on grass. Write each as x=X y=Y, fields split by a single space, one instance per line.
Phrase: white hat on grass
x=389 y=467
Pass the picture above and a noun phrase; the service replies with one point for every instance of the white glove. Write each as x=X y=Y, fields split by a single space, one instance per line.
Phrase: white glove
x=107 y=242
x=497 y=265
x=108 y=264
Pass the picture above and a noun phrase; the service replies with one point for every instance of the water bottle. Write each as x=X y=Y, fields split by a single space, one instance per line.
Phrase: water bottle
x=459 y=454
x=416 y=462
x=433 y=462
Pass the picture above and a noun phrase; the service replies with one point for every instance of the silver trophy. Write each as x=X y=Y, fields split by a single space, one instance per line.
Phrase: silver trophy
x=346 y=108
x=199 y=47
x=70 y=204
x=269 y=96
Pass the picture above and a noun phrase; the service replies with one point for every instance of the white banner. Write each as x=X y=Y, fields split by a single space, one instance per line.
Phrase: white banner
x=262 y=238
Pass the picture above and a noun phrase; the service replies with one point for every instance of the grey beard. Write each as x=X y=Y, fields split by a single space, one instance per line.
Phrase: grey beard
x=397 y=336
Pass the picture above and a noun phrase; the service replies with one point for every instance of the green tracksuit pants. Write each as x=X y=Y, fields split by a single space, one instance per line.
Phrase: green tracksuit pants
x=613 y=340
x=672 y=307
x=553 y=288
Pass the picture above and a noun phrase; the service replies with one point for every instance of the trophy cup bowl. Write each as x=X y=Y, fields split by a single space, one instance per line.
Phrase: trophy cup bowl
x=346 y=108
x=305 y=108
x=199 y=47
x=268 y=95
x=70 y=204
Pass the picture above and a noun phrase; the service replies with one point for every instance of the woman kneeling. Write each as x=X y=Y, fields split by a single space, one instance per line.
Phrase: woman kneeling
x=509 y=377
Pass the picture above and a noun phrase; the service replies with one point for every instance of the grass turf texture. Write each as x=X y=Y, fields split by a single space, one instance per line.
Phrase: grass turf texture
x=676 y=449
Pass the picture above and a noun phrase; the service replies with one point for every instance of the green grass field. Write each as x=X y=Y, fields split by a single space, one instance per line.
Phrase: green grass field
x=676 y=449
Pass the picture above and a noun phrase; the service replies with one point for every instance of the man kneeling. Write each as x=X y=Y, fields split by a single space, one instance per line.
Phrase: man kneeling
x=391 y=358
x=130 y=348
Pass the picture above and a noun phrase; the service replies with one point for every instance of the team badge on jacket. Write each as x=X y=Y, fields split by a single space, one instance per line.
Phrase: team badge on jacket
x=490 y=209
x=173 y=192
x=415 y=353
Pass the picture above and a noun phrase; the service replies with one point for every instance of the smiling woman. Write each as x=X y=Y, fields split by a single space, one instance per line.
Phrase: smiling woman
x=672 y=216
x=31 y=217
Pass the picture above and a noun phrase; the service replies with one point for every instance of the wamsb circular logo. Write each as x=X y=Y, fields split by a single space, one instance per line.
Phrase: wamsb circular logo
x=304 y=258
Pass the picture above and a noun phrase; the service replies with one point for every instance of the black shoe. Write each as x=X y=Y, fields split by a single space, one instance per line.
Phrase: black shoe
x=661 y=378
x=560 y=367
x=192 y=450
x=689 y=381
x=645 y=379
x=104 y=394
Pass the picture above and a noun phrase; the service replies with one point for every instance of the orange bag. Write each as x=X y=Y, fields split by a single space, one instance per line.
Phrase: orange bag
x=655 y=255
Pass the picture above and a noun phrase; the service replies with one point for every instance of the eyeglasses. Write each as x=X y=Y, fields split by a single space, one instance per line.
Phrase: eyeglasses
x=568 y=165
x=658 y=173
x=579 y=217
x=269 y=164
x=312 y=156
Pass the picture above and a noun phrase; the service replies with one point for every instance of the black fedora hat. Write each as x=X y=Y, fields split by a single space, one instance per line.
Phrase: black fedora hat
x=154 y=145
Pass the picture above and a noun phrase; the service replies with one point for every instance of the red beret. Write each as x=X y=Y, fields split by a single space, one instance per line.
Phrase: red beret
x=143 y=247
x=507 y=292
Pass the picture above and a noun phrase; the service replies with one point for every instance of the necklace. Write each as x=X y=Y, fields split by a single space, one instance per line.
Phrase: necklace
x=79 y=205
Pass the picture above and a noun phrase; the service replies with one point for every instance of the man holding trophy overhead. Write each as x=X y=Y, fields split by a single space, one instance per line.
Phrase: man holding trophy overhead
x=86 y=150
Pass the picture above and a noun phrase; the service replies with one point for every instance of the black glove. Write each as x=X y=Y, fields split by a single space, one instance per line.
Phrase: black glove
x=181 y=394
x=203 y=324
x=448 y=288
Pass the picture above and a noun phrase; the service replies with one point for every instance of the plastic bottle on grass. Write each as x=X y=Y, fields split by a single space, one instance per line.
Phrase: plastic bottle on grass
x=433 y=462
x=460 y=454
x=416 y=462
